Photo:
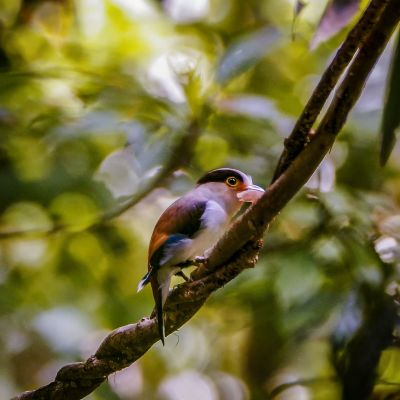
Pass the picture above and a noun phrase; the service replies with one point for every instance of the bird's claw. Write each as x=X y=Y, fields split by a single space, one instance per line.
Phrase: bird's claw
x=183 y=276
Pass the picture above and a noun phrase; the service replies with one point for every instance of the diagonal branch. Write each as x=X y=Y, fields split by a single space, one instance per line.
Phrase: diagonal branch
x=299 y=136
x=184 y=147
x=126 y=344
x=255 y=221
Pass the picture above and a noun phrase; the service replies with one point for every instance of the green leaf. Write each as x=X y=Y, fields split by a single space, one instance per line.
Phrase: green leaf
x=391 y=111
x=245 y=53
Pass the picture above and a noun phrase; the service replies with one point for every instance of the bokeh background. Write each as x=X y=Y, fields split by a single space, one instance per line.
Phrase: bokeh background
x=96 y=96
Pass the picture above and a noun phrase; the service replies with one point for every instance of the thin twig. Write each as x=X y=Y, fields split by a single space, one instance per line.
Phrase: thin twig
x=181 y=155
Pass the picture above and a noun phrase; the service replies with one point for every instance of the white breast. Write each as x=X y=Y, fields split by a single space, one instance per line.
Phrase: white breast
x=214 y=223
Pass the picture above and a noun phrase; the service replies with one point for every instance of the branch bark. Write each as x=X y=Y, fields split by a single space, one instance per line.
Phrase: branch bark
x=255 y=221
x=299 y=136
x=126 y=344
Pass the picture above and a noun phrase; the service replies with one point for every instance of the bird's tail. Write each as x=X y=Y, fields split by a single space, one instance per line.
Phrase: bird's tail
x=160 y=317
x=145 y=280
x=158 y=297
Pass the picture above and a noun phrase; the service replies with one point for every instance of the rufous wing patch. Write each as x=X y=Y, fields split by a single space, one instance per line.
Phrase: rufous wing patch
x=157 y=240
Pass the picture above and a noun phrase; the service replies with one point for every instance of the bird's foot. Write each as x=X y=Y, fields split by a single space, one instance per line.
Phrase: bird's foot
x=183 y=276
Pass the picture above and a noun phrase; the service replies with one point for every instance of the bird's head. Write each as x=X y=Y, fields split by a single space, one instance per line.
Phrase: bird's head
x=232 y=184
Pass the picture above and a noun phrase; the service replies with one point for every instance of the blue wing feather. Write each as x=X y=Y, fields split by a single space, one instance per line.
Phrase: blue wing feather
x=181 y=221
x=160 y=253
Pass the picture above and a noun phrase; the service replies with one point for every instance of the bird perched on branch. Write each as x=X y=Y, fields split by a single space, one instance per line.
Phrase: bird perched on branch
x=191 y=226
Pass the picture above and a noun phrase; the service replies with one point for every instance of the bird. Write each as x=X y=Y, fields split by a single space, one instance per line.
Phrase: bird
x=189 y=227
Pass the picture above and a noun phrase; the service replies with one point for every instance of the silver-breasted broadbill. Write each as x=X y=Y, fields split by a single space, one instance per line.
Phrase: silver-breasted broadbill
x=191 y=226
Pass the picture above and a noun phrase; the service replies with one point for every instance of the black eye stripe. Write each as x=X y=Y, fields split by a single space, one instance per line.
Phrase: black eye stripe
x=221 y=175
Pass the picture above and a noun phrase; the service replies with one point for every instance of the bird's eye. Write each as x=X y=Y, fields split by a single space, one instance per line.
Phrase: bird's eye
x=232 y=181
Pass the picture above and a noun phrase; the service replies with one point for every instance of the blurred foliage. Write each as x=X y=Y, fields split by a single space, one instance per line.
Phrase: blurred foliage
x=94 y=96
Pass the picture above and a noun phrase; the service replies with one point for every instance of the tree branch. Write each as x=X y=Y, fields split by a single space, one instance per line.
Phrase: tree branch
x=255 y=221
x=126 y=344
x=299 y=136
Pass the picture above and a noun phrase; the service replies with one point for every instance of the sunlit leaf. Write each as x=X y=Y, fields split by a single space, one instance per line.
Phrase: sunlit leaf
x=245 y=53
x=120 y=172
x=63 y=327
x=185 y=12
x=391 y=111
x=25 y=216
x=74 y=210
x=211 y=152
x=8 y=11
x=298 y=8
x=188 y=384
x=389 y=365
